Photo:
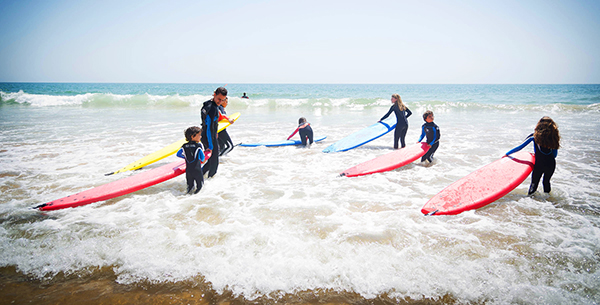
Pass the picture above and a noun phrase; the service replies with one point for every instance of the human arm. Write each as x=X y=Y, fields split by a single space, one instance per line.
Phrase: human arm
x=387 y=114
x=422 y=134
x=408 y=112
x=525 y=143
x=180 y=153
x=294 y=133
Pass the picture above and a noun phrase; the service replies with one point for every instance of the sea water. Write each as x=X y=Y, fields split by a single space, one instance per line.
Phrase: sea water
x=279 y=224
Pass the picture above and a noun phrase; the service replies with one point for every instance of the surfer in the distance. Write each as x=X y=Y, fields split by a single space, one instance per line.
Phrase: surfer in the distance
x=244 y=96
x=546 y=142
x=432 y=132
x=193 y=154
x=306 y=132
x=402 y=113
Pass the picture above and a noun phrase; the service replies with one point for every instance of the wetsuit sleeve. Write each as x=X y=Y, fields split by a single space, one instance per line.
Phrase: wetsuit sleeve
x=294 y=133
x=514 y=150
x=555 y=153
x=209 y=132
x=223 y=117
x=180 y=153
x=200 y=154
x=408 y=112
x=387 y=114
x=422 y=133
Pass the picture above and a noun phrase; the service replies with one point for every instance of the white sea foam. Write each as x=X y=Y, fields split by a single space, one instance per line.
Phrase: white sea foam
x=280 y=220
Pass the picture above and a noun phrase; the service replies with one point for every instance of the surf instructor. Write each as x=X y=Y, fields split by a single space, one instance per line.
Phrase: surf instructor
x=210 y=125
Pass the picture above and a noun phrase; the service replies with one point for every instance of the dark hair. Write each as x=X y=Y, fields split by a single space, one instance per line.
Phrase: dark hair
x=301 y=120
x=546 y=133
x=426 y=114
x=222 y=91
x=192 y=131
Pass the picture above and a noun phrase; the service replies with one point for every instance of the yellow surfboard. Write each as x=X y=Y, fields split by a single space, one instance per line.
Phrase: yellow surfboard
x=168 y=150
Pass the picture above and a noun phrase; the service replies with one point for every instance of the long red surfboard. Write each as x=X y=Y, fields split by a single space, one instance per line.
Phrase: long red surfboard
x=120 y=187
x=388 y=162
x=482 y=186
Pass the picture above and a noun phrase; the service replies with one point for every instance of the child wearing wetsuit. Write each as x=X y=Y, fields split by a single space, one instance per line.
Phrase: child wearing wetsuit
x=432 y=131
x=546 y=142
x=402 y=113
x=193 y=154
x=306 y=132
x=225 y=142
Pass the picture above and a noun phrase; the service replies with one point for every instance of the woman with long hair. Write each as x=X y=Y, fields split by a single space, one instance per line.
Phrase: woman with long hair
x=402 y=113
x=546 y=142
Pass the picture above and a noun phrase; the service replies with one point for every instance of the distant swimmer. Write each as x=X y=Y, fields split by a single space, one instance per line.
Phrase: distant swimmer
x=245 y=96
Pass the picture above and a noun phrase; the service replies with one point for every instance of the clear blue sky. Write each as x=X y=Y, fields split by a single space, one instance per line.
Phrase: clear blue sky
x=304 y=41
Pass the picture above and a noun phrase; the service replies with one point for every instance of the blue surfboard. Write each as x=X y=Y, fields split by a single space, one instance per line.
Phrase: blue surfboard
x=279 y=143
x=363 y=136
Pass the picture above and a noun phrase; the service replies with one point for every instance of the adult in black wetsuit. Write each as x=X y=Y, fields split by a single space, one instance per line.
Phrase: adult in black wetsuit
x=210 y=125
x=193 y=154
x=432 y=131
x=546 y=142
x=225 y=142
x=306 y=132
x=402 y=113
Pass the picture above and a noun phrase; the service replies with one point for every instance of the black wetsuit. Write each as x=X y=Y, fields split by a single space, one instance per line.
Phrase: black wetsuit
x=225 y=142
x=306 y=135
x=193 y=154
x=432 y=131
x=210 y=125
x=545 y=164
x=401 y=124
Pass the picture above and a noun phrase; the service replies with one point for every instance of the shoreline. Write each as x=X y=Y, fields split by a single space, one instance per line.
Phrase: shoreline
x=100 y=287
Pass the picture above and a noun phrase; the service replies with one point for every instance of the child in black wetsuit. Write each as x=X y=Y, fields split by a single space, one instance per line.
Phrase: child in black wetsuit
x=432 y=131
x=193 y=154
x=306 y=132
x=546 y=142
x=225 y=142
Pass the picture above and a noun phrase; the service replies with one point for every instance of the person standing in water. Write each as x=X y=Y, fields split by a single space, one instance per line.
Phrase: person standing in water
x=546 y=142
x=306 y=132
x=402 y=113
x=432 y=132
x=194 y=156
x=225 y=143
x=210 y=124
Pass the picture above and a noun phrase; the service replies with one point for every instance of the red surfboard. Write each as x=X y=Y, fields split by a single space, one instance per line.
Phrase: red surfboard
x=388 y=162
x=120 y=187
x=482 y=186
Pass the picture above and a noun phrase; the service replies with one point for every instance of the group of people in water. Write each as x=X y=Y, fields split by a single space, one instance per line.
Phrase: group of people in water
x=546 y=140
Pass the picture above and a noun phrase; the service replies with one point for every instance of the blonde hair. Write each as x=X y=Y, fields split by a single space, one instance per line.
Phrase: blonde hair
x=399 y=102
x=546 y=134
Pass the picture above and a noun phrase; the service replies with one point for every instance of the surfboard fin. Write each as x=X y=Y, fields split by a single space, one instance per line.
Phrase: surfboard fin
x=39 y=206
x=431 y=213
x=109 y=174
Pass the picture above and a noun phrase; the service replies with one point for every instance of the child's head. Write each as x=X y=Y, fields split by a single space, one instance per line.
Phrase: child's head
x=546 y=133
x=302 y=120
x=225 y=102
x=192 y=132
x=428 y=115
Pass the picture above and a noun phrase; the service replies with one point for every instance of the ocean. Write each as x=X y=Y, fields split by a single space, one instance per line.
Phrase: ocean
x=278 y=225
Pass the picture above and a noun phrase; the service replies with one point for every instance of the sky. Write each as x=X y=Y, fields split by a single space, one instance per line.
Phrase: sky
x=303 y=41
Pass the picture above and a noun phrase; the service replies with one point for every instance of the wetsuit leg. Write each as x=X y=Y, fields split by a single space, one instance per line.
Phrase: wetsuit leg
x=400 y=134
x=198 y=177
x=189 y=178
x=548 y=172
x=213 y=162
x=429 y=154
x=226 y=145
x=535 y=178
